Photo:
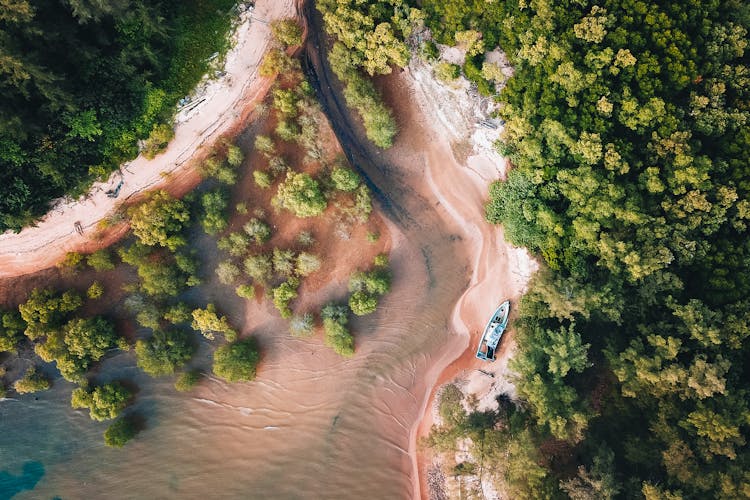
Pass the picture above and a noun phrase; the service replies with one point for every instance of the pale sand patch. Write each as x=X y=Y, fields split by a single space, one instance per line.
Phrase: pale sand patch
x=499 y=271
x=224 y=108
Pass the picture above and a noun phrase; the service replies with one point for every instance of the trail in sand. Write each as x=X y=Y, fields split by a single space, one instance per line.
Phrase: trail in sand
x=224 y=108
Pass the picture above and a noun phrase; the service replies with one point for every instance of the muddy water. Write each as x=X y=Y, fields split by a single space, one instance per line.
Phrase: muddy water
x=312 y=425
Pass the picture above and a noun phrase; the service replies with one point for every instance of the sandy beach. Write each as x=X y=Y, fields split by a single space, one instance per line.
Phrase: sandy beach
x=225 y=108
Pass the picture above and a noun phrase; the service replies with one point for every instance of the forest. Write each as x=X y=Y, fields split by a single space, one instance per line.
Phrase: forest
x=84 y=80
x=627 y=125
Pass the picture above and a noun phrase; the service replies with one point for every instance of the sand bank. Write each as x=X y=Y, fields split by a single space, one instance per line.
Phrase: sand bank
x=498 y=271
x=225 y=107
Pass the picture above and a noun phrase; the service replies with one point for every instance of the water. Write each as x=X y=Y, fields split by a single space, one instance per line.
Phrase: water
x=311 y=426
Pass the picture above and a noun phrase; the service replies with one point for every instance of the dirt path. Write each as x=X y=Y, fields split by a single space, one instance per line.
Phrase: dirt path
x=226 y=104
x=433 y=198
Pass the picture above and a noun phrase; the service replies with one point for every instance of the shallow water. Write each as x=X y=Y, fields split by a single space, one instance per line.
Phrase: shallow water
x=311 y=426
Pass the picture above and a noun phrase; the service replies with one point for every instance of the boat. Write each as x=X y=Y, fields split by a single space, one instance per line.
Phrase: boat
x=493 y=333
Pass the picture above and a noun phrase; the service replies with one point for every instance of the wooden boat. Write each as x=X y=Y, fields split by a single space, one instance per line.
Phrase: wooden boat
x=493 y=332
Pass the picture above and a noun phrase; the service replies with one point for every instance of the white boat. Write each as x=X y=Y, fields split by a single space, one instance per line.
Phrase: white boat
x=493 y=332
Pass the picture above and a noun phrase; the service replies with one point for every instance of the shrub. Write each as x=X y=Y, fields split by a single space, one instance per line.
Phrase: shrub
x=337 y=336
x=227 y=272
x=220 y=170
x=362 y=303
x=104 y=402
x=158 y=140
x=345 y=179
x=285 y=102
x=238 y=361
x=373 y=236
x=95 y=291
x=32 y=381
x=234 y=156
x=71 y=261
x=214 y=218
x=287 y=130
x=381 y=260
x=363 y=204
x=245 y=291
x=241 y=208
x=283 y=294
x=265 y=145
x=307 y=263
x=302 y=325
x=259 y=231
x=277 y=165
x=262 y=179
x=429 y=50
x=187 y=380
x=163 y=352
x=283 y=261
x=305 y=238
x=120 y=432
x=208 y=322
x=447 y=72
x=11 y=330
x=474 y=74
x=234 y=243
x=258 y=267
x=301 y=195
x=159 y=220
x=101 y=260
x=276 y=61
x=287 y=32
x=178 y=313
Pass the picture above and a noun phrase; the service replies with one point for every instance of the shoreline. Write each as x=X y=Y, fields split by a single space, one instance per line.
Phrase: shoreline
x=461 y=192
x=228 y=105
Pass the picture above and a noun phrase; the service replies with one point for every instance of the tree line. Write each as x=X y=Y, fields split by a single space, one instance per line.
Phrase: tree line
x=84 y=81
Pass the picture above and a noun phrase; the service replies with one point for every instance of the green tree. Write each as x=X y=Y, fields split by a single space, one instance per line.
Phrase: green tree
x=237 y=361
x=159 y=221
x=301 y=195
x=120 y=432
x=32 y=381
x=345 y=179
x=186 y=381
x=214 y=217
x=208 y=322
x=104 y=402
x=164 y=352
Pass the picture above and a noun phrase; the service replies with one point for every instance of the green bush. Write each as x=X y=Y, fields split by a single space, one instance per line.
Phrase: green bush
x=301 y=195
x=208 y=322
x=160 y=220
x=238 y=361
x=283 y=294
x=447 y=72
x=337 y=336
x=429 y=50
x=12 y=327
x=345 y=179
x=258 y=267
x=265 y=145
x=164 y=352
x=101 y=260
x=287 y=130
x=262 y=179
x=287 y=32
x=474 y=74
x=71 y=261
x=103 y=402
x=186 y=381
x=234 y=156
x=257 y=230
x=31 y=382
x=362 y=303
x=95 y=291
x=307 y=264
x=214 y=217
x=245 y=291
x=120 y=432
x=283 y=261
x=158 y=140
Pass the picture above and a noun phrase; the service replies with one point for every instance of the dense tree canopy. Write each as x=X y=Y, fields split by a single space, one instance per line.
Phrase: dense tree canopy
x=83 y=81
x=627 y=123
